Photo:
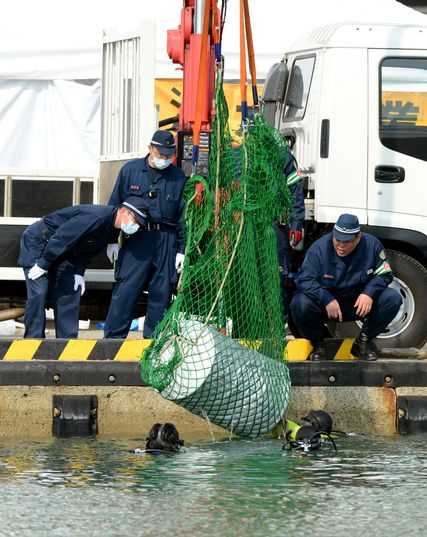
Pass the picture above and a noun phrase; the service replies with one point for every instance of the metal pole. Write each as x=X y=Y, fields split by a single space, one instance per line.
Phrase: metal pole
x=8 y=196
x=198 y=16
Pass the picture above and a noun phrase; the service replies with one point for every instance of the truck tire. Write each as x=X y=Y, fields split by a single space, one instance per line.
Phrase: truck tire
x=409 y=327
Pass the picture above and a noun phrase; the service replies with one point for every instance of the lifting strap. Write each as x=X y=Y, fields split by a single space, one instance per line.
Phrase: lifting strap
x=216 y=32
x=246 y=32
x=243 y=74
x=251 y=54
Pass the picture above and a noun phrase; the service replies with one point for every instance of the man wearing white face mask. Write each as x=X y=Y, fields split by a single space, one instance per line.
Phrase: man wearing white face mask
x=55 y=252
x=152 y=257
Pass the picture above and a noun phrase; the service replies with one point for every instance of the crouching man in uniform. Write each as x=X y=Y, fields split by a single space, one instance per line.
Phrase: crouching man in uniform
x=55 y=252
x=152 y=256
x=345 y=277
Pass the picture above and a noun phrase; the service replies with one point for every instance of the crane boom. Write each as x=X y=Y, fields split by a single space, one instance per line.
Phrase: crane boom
x=184 y=46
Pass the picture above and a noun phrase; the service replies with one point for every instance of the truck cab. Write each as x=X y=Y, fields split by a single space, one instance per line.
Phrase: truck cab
x=355 y=97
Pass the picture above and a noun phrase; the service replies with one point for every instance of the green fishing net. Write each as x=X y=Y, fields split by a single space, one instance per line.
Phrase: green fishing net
x=219 y=350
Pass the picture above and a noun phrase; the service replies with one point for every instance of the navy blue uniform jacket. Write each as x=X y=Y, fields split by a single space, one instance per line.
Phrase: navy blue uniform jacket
x=137 y=178
x=324 y=276
x=296 y=187
x=81 y=231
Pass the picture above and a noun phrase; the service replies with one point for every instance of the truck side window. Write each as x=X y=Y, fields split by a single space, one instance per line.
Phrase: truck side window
x=299 y=88
x=403 y=121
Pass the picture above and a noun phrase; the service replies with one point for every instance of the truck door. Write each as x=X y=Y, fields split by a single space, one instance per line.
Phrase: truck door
x=397 y=173
x=397 y=139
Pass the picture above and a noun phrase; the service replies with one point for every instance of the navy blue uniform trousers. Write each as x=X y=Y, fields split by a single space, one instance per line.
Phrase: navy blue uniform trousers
x=310 y=315
x=283 y=253
x=147 y=257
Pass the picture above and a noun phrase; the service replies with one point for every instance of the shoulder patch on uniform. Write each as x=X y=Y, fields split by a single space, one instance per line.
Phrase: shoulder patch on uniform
x=384 y=268
x=134 y=187
x=328 y=276
x=382 y=254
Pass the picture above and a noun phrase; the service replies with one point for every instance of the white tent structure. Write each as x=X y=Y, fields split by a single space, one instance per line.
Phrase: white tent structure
x=50 y=63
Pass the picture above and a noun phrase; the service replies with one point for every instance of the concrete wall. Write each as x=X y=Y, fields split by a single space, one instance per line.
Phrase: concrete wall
x=131 y=411
x=122 y=411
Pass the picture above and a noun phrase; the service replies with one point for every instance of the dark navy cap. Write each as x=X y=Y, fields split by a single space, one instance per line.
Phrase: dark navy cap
x=164 y=142
x=138 y=207
x=347 y=227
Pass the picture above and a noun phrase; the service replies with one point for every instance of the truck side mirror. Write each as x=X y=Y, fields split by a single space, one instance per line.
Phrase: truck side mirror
x=275 y=83
x=274 y=90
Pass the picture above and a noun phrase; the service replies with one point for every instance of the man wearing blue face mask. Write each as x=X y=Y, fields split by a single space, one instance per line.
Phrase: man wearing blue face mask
x=55 y=252
x=151 y=257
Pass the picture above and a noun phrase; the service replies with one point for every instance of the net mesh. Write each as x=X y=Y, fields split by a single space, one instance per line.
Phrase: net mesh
x=219 y=350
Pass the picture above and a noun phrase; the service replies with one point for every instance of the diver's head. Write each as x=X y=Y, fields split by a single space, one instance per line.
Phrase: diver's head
x=164 y=437
x=320 y=420
x=307 y=438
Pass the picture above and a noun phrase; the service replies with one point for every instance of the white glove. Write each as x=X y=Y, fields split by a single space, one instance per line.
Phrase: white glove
x=179 y=262
x=35 y=272
x=113 y=252
x=79 y=281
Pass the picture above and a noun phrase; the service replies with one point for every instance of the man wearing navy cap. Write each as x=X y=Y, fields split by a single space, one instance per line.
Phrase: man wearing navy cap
x=55 y=252
x=151 y=257
x=345 y=277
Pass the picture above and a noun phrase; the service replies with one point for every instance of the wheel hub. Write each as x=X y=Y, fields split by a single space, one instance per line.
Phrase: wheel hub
x=405 y=314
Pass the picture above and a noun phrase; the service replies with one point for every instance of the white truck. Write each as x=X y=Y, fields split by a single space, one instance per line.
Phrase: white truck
x=355 y=97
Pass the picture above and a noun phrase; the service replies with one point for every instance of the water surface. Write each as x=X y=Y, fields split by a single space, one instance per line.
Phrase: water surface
x=95 y=487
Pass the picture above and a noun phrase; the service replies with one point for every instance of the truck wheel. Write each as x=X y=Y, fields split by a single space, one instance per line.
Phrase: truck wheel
x=409 y=327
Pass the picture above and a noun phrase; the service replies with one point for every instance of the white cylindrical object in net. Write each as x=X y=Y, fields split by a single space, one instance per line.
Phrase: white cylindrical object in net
x=234 y=386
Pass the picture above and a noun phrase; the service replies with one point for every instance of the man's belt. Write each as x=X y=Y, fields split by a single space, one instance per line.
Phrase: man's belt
x=152 y=226
x=45 y=231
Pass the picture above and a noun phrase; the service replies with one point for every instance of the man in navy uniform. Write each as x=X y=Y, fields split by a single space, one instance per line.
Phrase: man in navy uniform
x=291 y=235
x=345 y=277
x=55 y=252
x=152 y=256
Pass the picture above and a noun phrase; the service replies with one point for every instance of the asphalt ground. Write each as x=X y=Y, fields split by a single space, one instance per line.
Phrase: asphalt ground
x=92 y=333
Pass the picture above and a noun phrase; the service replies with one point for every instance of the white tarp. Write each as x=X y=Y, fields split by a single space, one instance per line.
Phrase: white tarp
x=48 y=122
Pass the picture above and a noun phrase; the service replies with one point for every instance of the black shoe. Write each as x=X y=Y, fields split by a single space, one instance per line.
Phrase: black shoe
x=319 y=351
x=363 y=348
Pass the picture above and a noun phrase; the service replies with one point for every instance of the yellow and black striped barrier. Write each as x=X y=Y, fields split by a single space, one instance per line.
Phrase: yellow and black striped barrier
x=73 y=349
x=132 y=350
x=112 y=362
x=336 y=349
